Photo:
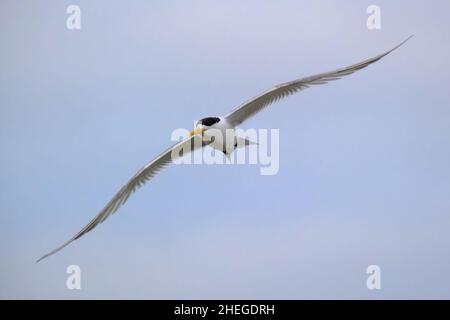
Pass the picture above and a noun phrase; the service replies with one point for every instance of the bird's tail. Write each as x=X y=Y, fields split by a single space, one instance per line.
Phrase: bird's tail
x=243 y=142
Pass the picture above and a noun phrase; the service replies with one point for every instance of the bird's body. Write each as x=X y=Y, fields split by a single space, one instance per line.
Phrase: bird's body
x=220 y=136
x=218 y=133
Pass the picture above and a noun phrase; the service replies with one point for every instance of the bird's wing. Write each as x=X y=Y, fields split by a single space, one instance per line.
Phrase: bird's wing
x=140 y=178
x=256 y=104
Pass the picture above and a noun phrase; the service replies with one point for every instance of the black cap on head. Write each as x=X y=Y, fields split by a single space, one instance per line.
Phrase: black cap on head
x=209 y=121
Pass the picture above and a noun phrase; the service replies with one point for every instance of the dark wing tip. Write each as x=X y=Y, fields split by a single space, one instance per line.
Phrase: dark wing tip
x=402 y=43
x=55 y=250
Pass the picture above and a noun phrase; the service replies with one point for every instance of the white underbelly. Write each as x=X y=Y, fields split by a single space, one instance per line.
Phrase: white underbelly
x=222 y=138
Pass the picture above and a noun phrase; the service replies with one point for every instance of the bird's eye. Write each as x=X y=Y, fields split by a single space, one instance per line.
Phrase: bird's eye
x=209 y=121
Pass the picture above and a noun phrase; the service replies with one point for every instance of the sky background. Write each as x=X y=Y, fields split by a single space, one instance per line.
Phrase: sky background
x=364 y=161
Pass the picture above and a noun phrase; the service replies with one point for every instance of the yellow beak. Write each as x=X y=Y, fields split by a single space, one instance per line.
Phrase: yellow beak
x=196 y=131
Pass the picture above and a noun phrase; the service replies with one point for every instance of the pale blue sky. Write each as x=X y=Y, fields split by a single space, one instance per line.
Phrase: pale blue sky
x=364 y=162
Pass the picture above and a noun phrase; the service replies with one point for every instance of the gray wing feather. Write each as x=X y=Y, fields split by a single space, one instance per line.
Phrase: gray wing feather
x=258 y=103
x=138 y=180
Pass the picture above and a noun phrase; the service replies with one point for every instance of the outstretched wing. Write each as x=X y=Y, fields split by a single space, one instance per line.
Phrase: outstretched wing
x=145 y=174
x=253 y=106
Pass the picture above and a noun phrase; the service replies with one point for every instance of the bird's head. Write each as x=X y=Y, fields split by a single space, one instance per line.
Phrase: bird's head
x=204 y=124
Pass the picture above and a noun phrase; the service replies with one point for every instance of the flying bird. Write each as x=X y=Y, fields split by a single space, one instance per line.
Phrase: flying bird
x=199 y=136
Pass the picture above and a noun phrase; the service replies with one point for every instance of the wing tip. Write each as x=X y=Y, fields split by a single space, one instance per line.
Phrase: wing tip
x=43 y=257
x=55 y=250
x=401 y=43
x=404 y=41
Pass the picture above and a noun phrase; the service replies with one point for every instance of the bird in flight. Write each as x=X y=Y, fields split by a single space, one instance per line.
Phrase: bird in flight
x=221 y=124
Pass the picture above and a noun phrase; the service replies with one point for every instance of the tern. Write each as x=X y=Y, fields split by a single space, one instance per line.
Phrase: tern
x=216 y=123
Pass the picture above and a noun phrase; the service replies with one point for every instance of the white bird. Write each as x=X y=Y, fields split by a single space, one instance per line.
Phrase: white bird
x=221 y=123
